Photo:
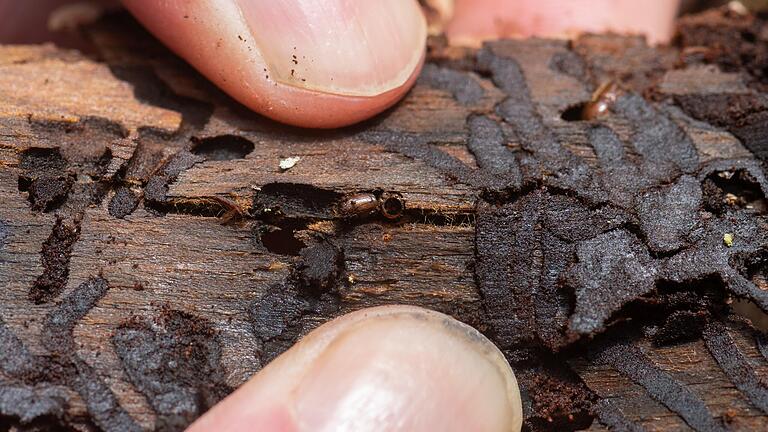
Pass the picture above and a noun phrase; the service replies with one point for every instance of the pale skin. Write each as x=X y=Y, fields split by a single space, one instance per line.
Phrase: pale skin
x=333 y=63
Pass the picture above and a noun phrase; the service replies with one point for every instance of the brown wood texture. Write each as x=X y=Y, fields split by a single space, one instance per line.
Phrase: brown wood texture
x=151 y=247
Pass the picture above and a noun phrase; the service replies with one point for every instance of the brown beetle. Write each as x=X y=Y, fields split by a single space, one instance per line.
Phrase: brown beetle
x=391 y=205
x=601 y=101
x=359 y=204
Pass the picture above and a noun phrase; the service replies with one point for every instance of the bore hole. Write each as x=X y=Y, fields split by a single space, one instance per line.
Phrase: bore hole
x=574 y=113
x=598 y=105
x=24 y=183
x=282 y=241
x=392 y=207
x=729 y=190
x=749 y=36
x=222 y=148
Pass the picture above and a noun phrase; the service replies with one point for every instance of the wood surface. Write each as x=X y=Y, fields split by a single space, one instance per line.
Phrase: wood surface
x=153 y=255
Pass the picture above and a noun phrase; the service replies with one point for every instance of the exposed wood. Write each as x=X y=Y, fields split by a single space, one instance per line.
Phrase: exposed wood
x=145 y=219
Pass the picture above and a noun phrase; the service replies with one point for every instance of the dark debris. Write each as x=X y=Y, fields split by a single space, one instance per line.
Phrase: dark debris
x=174 y=361
x=311 y=288
x=65 y=365
x=55 y=255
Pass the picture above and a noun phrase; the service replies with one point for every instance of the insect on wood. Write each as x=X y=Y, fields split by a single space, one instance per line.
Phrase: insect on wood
x=389 y=204
x=601 y=101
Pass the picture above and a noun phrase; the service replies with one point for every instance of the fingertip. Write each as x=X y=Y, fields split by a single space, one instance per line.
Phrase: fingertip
x=477 y=20
x=303 y=64
x=395 y=368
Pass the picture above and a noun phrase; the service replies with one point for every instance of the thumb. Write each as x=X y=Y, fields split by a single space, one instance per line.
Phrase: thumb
x=392 y=368
x=303 y=62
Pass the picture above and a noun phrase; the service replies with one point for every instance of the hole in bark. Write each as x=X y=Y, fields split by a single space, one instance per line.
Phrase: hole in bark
x=294 y=200
x=574 y=113
x=675 y=312
x=598 y=105
x=222 y=148
x=392 y=206
x=24 y=183
x=749 y=36
x=282 y=241
x=724 y=190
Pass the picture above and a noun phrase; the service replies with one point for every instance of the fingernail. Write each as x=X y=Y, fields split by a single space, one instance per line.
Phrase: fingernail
x=337 y=46
x=411 y=370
